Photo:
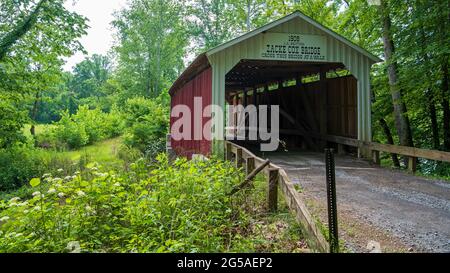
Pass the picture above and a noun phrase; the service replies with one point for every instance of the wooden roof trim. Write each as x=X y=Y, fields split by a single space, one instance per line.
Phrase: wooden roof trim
x=296 y=14
x=197 y=66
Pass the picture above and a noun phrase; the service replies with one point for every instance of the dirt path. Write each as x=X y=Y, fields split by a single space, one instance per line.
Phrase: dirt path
x=400 y=211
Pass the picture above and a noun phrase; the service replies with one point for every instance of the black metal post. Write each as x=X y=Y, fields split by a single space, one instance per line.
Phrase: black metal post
x=332 y=206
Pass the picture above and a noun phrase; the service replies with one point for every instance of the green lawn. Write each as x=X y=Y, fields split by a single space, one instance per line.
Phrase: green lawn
x=103 y=152
x=39 y=128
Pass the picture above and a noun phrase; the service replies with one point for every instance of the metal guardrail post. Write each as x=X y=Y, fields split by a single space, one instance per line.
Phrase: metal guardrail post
x=331 y=200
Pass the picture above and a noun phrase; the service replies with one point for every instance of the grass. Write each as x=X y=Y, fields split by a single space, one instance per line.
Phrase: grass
x=39 y=128
x=101 y=152
x=104 y=152
x=265 y=231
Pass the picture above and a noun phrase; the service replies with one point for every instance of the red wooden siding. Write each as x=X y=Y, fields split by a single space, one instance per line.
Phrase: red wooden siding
x=200 y=86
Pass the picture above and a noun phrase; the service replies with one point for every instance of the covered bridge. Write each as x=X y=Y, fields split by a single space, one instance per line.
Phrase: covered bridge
x=319 y=79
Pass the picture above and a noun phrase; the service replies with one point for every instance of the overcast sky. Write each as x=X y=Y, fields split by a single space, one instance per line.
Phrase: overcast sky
x=100 y=34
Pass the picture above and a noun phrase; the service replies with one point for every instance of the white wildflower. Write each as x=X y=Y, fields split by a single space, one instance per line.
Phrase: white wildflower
x=46 y=175
x=100 y=174
x=60 y=170
x=51 y=190
x=61 y=195
x=37 y=208
x=23 y=204
x=73 y=247
x=76 y=173
x=88 y=208
x=26 y=211
x=117 y=184
x=14 y=200
x=4 y=219
x=81 y=193
x=57 y=180
x=36 y=193
x=67 y=178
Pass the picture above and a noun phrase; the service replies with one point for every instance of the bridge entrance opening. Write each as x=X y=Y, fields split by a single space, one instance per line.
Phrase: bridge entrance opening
x=314 y=99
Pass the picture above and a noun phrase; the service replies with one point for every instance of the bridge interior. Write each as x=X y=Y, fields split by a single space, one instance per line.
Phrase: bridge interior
x=313 y=98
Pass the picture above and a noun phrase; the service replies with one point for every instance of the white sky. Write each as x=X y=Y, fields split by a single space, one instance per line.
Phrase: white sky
x=99 y=36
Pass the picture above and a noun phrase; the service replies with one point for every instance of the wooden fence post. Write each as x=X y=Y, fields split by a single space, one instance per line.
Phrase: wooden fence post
x=376 y=157
x=229 y=153
x=412 y=164
x=340 y=149
x=250 y=165
x=272 y=194
x=239 y=158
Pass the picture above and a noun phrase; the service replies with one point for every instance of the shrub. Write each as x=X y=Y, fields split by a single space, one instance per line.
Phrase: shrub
x=182 y=207
x=18 y=164
x=93 y=121
x=69 y=132
x=87 y=126
x=147 y=123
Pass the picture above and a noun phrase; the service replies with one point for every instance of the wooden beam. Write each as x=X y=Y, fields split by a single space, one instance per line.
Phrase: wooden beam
x=412 y=164
x=250 y=176
x=299 y=128
x=272 y=191
x=295 y=202
x=249 y=165
x=323 y=104
x=229 y=152
x=376 y=157
x=239 y=159
x=387 y=148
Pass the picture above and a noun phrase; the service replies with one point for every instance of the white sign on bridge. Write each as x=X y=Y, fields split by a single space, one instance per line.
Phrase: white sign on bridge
x=294 y=47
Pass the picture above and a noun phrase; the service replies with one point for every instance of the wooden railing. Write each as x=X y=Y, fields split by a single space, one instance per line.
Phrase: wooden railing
x=277 y=177
x=375 y=148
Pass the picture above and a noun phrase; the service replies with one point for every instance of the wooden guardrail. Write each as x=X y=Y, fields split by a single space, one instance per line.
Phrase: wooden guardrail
x=411 y=152
x=277 y=177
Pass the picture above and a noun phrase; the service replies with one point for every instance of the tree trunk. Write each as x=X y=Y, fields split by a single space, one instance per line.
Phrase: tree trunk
x=445 y=21
x=400 y=112
x=387 y=132
x=445 y=105
x=248 y=22
x=433 y=118
x=390 y=140
x=34 y=112
x=429 y=92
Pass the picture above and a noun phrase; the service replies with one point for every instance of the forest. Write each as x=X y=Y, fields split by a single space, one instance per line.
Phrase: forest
x=82 y=163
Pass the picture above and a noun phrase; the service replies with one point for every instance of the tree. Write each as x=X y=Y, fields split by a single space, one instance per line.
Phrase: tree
x=212 y=24
x=90 y=75
x=248 y=14
x=20 y=29
x=151 y=45
x=33 y=51
x=400 y=113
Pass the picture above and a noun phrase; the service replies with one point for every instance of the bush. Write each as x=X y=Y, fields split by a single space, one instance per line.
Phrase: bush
x=70 y=133
x=19 y=164
x=85 y=127
x=182 y=207
x=147 y=122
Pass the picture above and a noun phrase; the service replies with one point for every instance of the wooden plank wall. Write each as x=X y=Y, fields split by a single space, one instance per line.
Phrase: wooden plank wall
x=200 y=86
x=303 y=103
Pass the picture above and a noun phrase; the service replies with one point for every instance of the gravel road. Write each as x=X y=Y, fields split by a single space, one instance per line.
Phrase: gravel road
x=403 y=212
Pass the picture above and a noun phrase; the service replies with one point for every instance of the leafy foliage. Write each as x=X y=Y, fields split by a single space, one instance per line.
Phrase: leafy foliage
x=106 y=211
x=147 y=124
